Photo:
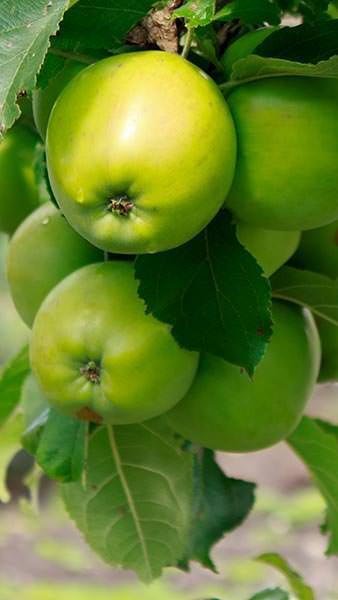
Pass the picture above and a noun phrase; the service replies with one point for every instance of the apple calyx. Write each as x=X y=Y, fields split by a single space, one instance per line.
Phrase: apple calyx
x=120 y=204
x=92 y=372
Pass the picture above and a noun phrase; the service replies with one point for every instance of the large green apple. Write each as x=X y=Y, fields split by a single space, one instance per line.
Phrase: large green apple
x=95 y=351
x=225 y=410
x=243 y=46
x=328 y=333
x=286 y=176
x=44 y=98
x=141 y=151
x=318 y=250
x=42 y=252
x=18 y=189
x=271 y=248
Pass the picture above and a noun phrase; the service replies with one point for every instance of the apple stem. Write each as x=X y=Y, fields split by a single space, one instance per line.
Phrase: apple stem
x=187 y=43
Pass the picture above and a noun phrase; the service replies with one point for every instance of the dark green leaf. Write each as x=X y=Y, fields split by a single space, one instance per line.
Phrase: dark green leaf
x=301 y=590
x=305 y=43
x=101 y=24
x=220 y=504
x=317 y=292
x=251 y=13
x=212 y=292
x=197 y=12
x=271 y=594
x=12 y=378
x=135 y=508
x=318 y=449
x=60 y=451
x=31 y=437
x=25 y=29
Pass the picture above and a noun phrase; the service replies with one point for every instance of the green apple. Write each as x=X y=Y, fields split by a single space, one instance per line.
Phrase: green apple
x=18 y=189
x=243 y=46
x=286 y=176
x=270 y=248
x=95 y=351
x=328 y=333
x=225 y=410
x=141 y=151
x=318 y=250
x=42 y=252
x=44 y=98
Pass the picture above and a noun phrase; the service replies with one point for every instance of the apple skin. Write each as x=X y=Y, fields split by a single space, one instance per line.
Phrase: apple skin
x=158 y=137
x=286 y=176
x=270 y=248
x=244 y=46
x=18 y=189
x=328 y=333
x=42 y=252
x=318 y=250
x=44 y=99
x=225 y=410
x=93 y=348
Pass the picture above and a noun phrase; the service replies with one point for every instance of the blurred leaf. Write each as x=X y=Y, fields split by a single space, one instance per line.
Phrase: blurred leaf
x=316 y=291
x=25 y=28
x=305 y=43
x=212 y=292
x=319 y=451
x=251 y=12
x=220 y=504
x=271 y=594
x=135 y=508
x=301 y=590
x=12 y=378
x=197 y=12
x=33 y=402
x=10 y=444
x=255 y=67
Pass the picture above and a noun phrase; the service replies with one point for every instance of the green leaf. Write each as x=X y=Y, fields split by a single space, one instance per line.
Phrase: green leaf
x=319 y=451
x=255 y=67
x=305 y=43
x=31 y=436
x=250 y=12
x=135 y=508
x=197 y=12
x=60 y=451
x=220 y=504
x=12 y=378
x=271 y=594
x=33 y=402
x=212 y=292
x=313 y=290
x=103 y=24
x=10 y=444
x=301 y=590
x=25 y=29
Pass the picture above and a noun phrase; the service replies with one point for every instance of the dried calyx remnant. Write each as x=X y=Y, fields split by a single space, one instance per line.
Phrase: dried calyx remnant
x=120 y=204
x=91 y=371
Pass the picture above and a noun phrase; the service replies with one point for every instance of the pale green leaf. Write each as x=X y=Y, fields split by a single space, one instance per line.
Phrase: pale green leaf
x=301 y=590
x=313 y=290
x=135 y=508
x=255 y=67
x=318 y=449
x=25 y=29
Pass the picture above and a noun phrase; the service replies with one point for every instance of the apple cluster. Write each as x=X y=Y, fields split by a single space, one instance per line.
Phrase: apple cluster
x=142 y=152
